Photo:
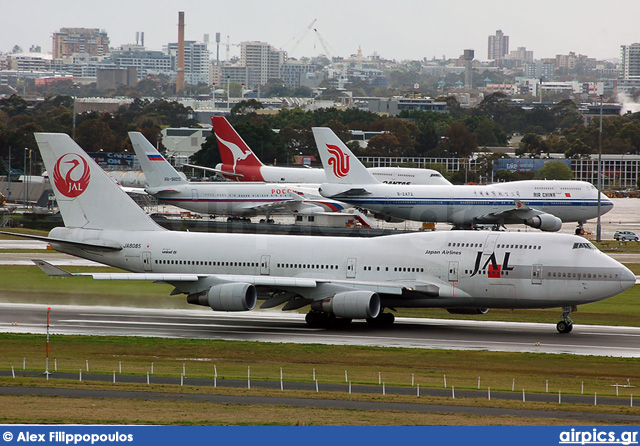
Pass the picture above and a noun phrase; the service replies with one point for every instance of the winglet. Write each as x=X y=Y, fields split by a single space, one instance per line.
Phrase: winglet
x=51 y=270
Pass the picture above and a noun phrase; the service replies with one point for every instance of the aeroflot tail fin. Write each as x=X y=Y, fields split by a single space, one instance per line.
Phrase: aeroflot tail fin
x=87 y=197
x=340 y=164
x=233 y=150
x=156 y=169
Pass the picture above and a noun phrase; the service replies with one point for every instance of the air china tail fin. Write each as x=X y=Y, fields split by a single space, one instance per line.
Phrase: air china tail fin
x=233 y=150
x=156 y=169
x=340 y=164
x=87 y=197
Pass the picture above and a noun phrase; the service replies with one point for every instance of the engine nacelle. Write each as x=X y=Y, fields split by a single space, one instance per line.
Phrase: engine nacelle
x=388 y=218
x=227 y=297
x=351 y=304
x=544 y=222
x=467 y=310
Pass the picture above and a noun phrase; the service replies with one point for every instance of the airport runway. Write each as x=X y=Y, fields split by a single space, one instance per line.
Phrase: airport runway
x=267 y=326
x=275 y=326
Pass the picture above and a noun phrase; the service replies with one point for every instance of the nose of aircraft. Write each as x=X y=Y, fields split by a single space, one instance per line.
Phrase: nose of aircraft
x=627 y=278
x=605 y=203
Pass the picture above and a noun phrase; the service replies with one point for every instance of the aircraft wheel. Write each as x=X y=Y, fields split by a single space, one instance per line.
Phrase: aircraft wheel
x=383 y=320
x=564 y=327
x=388 y=319
x=315 y=319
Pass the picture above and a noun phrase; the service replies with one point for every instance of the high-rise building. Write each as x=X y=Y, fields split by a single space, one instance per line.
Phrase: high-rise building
x=630 y=61
x=262 y=61
x=498 y=46
x=145 y=62
x=91 y=41
x=196 y=61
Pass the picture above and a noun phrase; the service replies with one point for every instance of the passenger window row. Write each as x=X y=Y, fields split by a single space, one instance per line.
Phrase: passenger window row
x=205 y=263
x=306 y=266
x=581 y=275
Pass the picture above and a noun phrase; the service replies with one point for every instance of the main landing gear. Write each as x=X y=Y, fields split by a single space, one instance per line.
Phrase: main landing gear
x=580 y=228
x=566 y=325
x=319 y=319
x=382 y=320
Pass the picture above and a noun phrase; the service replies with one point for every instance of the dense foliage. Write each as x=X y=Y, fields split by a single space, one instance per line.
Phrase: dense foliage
x=458 y=133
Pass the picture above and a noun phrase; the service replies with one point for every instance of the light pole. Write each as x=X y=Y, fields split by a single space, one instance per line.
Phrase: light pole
x=25 y=180
x=46 y=372
x=75 y=88
x=599 y=227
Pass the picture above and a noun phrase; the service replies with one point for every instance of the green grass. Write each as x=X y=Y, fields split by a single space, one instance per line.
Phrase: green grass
x=396 y=365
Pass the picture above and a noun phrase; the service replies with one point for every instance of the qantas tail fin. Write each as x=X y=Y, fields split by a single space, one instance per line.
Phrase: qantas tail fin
x=87 y=197
x=157 y=170
x=233 y=150
x=340 y=164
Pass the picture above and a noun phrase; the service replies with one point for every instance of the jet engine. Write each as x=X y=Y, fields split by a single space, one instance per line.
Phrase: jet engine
x=467 y=310
x=227 y=297
x=544 y=222
x=351 y=305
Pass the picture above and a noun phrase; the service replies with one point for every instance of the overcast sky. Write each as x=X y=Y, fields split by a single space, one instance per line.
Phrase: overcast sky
x=394 y=29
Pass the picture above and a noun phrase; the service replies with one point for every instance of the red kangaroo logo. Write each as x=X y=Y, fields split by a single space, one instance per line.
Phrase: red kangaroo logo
x=338 y=160
x=75 y=181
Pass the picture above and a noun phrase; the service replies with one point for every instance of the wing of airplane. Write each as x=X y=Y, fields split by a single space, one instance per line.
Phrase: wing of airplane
x=211 y=169
x=318 y=288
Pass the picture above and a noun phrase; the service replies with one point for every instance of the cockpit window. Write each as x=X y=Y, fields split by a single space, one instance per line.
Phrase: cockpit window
x=586 y=245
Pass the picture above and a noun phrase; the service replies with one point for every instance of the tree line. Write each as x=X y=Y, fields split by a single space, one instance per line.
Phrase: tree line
x=458 y=133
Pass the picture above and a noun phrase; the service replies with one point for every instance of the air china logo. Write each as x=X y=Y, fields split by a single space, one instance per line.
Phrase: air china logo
x=338 y=160
x=71 y=175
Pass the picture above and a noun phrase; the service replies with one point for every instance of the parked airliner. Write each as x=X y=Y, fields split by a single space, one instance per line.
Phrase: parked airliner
x=539 y=204
x=339 y=278
x=239 y=163
x=224 y=198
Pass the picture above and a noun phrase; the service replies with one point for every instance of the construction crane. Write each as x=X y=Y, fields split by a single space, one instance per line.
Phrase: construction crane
x=327 y=49
x=302 y=36
x=228 y=45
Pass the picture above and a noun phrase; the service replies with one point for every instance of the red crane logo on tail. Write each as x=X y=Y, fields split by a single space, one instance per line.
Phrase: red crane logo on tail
x=338 y=160
x=71 y=175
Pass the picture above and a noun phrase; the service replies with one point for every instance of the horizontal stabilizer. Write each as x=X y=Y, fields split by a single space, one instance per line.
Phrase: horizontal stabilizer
x=98 y=244
x=353 y=192
x=51 y=270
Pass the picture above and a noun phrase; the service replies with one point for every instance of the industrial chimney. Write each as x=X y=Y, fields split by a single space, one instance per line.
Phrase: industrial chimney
x=180 y=68
x=468 y=68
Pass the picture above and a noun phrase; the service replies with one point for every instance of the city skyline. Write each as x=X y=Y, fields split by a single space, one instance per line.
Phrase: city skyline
x=408 y=29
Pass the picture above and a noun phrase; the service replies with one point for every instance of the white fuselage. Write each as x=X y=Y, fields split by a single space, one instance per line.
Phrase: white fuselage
x=386 y=175
x=246 y=199
x=463 y=268
x=464 y=205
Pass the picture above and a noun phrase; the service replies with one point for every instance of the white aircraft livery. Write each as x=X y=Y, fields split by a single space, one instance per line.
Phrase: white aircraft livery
x=224 y=198
x=539 y=204
x=338 y=278
x=239 y=163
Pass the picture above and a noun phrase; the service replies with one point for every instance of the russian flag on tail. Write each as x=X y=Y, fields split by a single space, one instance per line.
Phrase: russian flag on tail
x=157 y=157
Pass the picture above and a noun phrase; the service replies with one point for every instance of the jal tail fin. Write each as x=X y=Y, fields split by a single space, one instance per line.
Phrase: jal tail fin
x=87 y=197
x=233 y=150
x=156 y=168
x=340 y=164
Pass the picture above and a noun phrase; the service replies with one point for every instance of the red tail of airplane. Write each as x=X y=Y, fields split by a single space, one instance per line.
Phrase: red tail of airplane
x=233 y=150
